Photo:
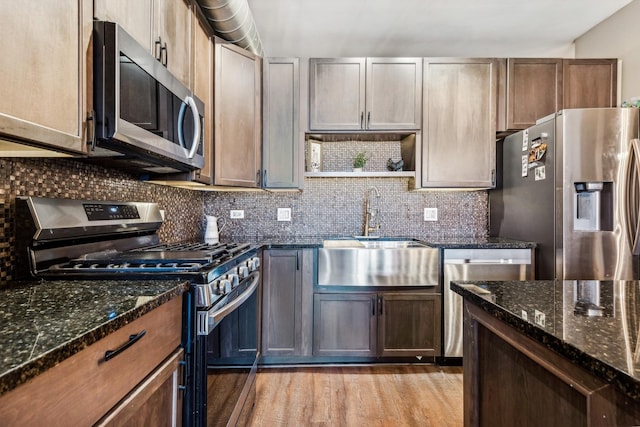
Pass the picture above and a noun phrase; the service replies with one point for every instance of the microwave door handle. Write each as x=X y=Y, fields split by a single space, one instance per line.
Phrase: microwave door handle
x=189 y=102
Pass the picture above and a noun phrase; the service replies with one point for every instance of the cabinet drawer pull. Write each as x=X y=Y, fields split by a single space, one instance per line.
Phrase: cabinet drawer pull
x=362 y=120
x=110 y=354
x=380 y=312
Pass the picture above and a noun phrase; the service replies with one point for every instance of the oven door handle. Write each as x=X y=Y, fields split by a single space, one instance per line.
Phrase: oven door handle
x=214 y=317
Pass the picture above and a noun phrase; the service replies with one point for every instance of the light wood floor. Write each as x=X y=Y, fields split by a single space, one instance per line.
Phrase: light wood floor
x=411 y=395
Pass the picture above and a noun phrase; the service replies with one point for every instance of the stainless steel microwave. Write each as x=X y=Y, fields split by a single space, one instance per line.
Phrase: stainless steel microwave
x=145 y=119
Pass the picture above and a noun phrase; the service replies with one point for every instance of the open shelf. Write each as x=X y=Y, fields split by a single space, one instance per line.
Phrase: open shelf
x=405 y=174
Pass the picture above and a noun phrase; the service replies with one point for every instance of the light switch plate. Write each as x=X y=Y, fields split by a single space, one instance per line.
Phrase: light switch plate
x=236 y=214
x=430 y=214
x=284 y=214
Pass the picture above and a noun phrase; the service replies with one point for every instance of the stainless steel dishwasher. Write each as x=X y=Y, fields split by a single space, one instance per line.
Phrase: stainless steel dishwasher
x=476 y=264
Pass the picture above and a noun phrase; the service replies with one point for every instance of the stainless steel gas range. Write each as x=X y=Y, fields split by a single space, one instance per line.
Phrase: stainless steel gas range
x=63 y=239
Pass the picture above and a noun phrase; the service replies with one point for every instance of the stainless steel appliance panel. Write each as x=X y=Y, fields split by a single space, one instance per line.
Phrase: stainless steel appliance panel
x=523 y=208
x=476 y=264
x=145 y=118
x=596 y=148
x=580 y=200
x=411 y=266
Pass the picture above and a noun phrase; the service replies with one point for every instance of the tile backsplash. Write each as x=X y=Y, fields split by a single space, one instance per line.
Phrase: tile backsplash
x=336 y=206
x=64 y=178
x=326 y=206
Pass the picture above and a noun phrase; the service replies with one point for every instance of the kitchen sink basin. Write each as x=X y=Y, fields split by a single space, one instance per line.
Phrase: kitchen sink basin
x=373 y=243
x=377 y=262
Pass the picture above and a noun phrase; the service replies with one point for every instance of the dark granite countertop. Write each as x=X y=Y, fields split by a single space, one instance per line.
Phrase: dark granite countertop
x=302 y=242
x=43 y=323
x=480 y=243
x=594 y=324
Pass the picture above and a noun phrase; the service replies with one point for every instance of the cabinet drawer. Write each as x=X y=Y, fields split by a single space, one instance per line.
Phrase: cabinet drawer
x=84 y=387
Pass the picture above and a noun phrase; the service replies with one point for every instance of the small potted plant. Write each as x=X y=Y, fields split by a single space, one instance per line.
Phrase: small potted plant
x=359 y=161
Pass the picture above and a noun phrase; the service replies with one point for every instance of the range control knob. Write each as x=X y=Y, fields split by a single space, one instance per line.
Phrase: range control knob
x=234 y=279
x=223 y=286
x=256 y=262
x=243 y=271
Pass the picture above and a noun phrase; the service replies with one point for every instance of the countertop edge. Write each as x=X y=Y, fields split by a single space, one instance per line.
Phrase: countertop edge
x=621 y=380
x=31 y=369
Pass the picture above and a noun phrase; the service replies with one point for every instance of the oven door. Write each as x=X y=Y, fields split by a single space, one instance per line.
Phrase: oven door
x=230 y=356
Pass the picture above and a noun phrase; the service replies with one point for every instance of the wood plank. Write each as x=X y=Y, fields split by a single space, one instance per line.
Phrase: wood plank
x=379 y=395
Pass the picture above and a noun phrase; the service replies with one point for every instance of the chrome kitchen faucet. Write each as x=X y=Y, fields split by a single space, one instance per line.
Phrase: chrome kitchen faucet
x=372 y=215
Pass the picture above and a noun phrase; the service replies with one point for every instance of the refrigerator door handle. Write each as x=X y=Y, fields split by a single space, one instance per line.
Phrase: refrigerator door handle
x=632 y=199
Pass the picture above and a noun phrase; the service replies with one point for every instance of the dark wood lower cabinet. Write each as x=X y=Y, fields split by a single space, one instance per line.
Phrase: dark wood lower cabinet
x=409 y=324
x=510 y=380
x=376 y=324
x=287 y=303
x=344 y=324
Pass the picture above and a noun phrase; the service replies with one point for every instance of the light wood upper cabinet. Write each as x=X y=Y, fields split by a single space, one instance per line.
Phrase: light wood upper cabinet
x=281 y=123
x=45 y=58
x=537 y=87
x=365 y=93
x=534 y=90
x=459 y=122
x=134 y=16
x=202 y=68
x=237 y=120
x=161 y=26
x=172 y=31
x=590 y=83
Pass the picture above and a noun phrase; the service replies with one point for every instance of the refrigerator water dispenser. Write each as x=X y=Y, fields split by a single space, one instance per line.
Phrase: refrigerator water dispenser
x=593 y=206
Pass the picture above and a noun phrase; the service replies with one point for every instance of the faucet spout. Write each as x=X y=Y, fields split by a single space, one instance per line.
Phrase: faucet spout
x=371 y=217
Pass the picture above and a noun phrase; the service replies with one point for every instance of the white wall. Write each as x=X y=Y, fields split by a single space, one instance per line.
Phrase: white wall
x=616 y=37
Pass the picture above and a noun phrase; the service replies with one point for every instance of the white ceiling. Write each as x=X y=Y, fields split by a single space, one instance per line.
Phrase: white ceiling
x=481 y=28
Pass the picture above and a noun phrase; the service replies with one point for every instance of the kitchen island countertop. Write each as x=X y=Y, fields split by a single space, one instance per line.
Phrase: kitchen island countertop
x=600 y=337
x=43 y=323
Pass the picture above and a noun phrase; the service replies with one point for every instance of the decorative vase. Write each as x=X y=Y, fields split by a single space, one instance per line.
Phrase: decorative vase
x=357 y=169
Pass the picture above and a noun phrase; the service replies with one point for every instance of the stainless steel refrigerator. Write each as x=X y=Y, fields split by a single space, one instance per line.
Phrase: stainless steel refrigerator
x=571 y=183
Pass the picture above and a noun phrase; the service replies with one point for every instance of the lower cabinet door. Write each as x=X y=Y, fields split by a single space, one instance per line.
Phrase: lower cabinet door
x=344 y=324
x=408 y=324
x=157 y=401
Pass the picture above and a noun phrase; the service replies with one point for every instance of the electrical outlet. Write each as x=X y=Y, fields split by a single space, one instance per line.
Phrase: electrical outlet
x=236 y=214
x=430 y=214
x=524 y=315
x=284 y=214
x=539 y=318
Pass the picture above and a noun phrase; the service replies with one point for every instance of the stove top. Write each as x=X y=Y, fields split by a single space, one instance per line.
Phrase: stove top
x=198 y=262
x=84 y=240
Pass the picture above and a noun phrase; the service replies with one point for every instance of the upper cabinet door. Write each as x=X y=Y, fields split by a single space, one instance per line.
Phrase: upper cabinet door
x=365 y=94
x=280 y=123
x=336 y=93
x=459 y=122
x=237 y=139
x=202 y=69
x=45 y=60
x=135 y=17
x=534 y=90
x=163 y=27
x=590 y=83
x=394 y=93
x=172 y=32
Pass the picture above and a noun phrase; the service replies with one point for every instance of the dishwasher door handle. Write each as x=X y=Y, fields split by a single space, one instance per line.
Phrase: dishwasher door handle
x=502 y=261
